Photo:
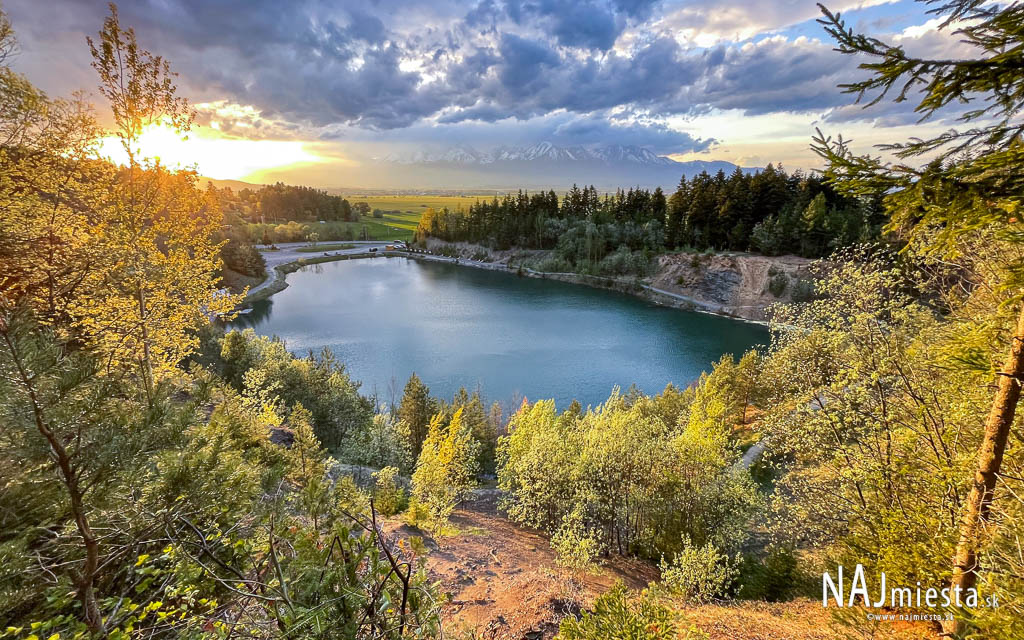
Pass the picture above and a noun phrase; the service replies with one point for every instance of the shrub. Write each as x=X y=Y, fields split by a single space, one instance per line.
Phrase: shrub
x=554 y=264
x=447 y=250
x=447 y=467
x=772 y=577
x=803 y=291
x=388 y=496
x=417 y=514
x=576 y=547
x=699 y=574
x=618 y=617
x=381 y=444
x=777 y=284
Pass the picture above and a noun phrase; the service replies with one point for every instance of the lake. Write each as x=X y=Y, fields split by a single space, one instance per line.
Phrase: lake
x=509 y=336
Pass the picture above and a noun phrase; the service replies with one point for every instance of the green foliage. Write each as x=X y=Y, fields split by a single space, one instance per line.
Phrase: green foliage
x=389 y=497
x=239 y=254
x=699 y=574
x=269 y=376
x=414 y=413
x=481 y=425
x=281 y=202
x=417 y=514
x=140 y=499
x=875 y=414
x=576 y=548
x=617 y=616
x=639 y=472
x=777 y=284
x=803 y=290
x=774 y=576
x=617 y=234
x=447 y=467
x=384 y=443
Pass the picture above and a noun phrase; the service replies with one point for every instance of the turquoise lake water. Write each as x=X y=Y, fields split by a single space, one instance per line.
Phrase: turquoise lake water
x=509 y=336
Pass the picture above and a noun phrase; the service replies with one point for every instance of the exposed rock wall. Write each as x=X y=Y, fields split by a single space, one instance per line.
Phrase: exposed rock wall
x=741 y=285
x=734 y=284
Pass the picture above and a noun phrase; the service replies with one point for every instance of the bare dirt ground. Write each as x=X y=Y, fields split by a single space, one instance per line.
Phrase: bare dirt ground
x=502 y=584
x=502 y=580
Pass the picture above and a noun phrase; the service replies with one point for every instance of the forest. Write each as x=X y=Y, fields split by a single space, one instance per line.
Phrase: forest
x=281 y=203
x=769 y=211
x=162 y=478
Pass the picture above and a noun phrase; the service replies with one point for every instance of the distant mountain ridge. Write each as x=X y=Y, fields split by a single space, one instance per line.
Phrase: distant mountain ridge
x=538 y=166
x=463 y=154
x=547 y=165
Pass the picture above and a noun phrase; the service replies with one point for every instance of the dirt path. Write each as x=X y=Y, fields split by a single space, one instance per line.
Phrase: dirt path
x=502 y=584
x=502 y=580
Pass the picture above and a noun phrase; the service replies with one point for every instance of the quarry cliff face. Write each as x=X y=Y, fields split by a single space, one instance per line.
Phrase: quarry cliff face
x=734 y=284
x=739 y=285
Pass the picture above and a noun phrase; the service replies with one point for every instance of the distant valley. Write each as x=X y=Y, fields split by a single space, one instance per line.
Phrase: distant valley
x=543 y=166
x=463 y=169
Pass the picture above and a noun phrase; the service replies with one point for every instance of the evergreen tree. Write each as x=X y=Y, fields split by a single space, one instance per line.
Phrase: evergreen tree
x=414 y=413
x=976 y=187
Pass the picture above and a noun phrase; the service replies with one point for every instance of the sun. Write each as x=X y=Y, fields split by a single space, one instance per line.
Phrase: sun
x=212 y=153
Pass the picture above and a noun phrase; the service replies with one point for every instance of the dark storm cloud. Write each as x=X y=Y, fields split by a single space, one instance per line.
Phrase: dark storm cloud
x=576 y=23
x=393 y=63
x=531 y=78
x=773 y=75
x=566 y=129
x=600 y=129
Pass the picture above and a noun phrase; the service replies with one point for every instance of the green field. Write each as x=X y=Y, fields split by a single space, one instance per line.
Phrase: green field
x=401 y=216
x=401 y=225
x=389 y=228
x=415 y=204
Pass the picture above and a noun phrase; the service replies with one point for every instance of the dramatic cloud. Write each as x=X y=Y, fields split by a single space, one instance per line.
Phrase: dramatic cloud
x=580 y=71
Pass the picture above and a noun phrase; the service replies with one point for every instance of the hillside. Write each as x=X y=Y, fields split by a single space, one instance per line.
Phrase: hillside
x=501 y=582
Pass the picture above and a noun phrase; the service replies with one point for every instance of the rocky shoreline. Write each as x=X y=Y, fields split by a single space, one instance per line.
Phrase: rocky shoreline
x=738 y=286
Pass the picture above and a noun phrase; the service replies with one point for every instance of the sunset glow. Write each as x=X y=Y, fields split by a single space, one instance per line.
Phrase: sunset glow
x=212 y=153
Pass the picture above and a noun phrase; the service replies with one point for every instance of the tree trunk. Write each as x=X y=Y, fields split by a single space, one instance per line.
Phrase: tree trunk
x=85 y=577
x=990 y=458
x=147 y=362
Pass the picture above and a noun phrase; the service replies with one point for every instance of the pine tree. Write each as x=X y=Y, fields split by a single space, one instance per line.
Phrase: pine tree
x=308 y=465
x=976 y=186
x=414 y=413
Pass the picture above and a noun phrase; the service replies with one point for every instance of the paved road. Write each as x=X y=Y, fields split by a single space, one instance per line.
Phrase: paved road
x=288 y=253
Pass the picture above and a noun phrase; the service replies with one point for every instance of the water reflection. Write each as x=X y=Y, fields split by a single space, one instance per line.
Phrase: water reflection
x=513 y=337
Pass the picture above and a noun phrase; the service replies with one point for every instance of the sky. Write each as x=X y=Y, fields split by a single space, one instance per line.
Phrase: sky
x=313 y=91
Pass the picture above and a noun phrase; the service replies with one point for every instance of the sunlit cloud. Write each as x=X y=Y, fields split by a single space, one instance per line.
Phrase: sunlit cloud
x=330 y=86
x=213 y=154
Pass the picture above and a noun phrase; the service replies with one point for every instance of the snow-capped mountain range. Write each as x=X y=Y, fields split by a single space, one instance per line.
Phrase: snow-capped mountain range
x=542 y=165
x=541 y=151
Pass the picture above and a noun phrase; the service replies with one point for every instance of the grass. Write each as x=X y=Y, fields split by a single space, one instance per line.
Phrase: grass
x=401 y=217
x=409 y=209
x=416 y=204
x=395 y=228
x=325 y=246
